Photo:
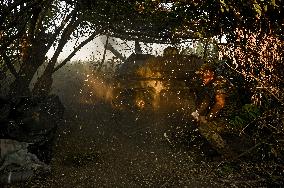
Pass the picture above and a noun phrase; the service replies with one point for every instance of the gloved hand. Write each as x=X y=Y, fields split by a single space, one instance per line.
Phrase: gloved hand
x=195 y=115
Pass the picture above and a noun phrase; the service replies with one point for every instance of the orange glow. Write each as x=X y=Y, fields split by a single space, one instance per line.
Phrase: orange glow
x=96 y=87
x=140 y=103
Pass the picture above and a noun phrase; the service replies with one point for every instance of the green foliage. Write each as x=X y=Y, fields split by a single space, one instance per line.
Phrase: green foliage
x=206 y=49
x=247 y=114
x=3 y=70
x=251 y=110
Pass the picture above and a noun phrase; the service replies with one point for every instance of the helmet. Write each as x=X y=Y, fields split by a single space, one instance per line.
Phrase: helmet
x=206 y=67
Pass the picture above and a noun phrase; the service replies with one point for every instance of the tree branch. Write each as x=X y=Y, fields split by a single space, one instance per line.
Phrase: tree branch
x=59 y=29
x=10 y=65
x=64 y=38
x=8 y=10
x=90 y=38
x=104 y=55
x=115 y=52
x=258 y=81
x=205 y=49
x=39 y=26
x=34 y=19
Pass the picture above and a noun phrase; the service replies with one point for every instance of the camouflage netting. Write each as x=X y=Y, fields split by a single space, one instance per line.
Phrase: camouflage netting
x=163 y=67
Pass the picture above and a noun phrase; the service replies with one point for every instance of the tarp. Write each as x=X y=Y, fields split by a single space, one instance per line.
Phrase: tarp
x=17 y=163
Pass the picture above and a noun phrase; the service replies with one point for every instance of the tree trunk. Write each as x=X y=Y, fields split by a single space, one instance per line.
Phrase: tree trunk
x=43 y=85
x=32 y=60
x=20 y=87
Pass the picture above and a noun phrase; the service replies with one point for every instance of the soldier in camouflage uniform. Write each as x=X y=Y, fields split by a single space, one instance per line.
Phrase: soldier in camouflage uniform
x=211 y=99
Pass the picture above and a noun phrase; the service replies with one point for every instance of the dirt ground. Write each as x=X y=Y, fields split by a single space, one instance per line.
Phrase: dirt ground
x=101 y=146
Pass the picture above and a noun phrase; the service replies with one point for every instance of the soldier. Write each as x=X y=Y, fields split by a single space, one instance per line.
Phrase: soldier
x=211 y=99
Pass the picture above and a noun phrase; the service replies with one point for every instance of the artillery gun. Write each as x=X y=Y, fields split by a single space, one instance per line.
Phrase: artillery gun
x=146 y=81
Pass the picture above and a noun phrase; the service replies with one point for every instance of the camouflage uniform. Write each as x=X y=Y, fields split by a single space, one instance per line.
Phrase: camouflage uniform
x=206 y=96
x=208 y=109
